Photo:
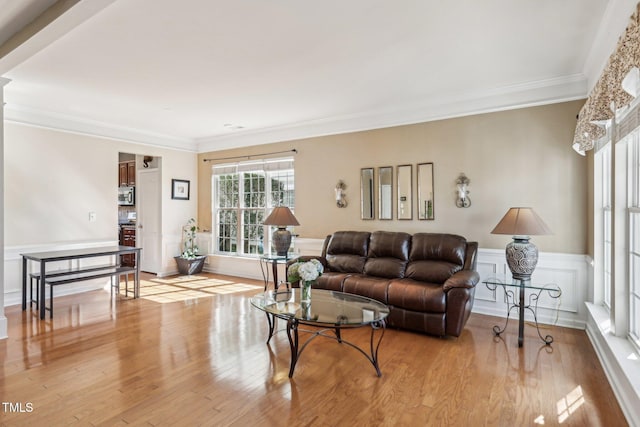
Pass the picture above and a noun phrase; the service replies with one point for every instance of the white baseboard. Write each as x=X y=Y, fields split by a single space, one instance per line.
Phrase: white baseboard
x=3 y=327
x=15 y=297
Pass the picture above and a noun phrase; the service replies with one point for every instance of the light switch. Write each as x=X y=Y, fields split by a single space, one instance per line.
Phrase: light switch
x=92 y=217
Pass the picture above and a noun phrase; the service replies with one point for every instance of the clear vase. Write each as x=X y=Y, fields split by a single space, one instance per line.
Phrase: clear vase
x=306 y=310
x=305 y=291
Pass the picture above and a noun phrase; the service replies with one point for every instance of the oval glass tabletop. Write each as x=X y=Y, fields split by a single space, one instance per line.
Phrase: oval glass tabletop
x=326 y=307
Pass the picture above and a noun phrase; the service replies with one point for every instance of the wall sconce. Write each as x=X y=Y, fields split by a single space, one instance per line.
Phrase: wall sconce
x=462 y=199
x=341 y=201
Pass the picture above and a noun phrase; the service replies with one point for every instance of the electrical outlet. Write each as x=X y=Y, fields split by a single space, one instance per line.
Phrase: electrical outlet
x=92 y=217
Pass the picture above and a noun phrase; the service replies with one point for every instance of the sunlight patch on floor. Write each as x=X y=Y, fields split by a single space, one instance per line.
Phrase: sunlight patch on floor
x=184 y=288
x=569 y=404
x=187 y=279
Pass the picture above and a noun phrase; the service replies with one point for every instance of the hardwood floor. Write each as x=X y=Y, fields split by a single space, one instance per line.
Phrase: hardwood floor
x=194 y=353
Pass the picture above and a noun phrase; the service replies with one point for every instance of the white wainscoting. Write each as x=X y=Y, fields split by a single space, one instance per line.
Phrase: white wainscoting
x=13 y=268
x=250 y=267
x=568 y=271
x=172 y=247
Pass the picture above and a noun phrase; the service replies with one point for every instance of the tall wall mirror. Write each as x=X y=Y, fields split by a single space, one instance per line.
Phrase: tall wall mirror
x=385 y=192
x=425 y=191
x=405 y=205
x=366 y=193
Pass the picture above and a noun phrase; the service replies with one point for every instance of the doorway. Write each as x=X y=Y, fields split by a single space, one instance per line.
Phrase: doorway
x=150 y=218
x=140 y=220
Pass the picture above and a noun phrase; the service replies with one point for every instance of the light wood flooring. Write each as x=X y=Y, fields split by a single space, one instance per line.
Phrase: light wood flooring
x=194 y=353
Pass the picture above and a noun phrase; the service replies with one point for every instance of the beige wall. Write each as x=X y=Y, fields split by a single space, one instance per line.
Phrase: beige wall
x=54 y=179
x=513 y=158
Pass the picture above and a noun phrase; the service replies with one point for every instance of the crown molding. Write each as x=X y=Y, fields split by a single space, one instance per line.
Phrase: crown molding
x=460 y=104
x=48 y=120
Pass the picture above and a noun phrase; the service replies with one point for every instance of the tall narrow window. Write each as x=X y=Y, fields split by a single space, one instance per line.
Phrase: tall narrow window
x=227 y=191
x=634 y=239
x=605 y=165
x=244 y=194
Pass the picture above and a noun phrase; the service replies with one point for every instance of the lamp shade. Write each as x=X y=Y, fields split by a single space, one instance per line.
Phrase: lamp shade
x=521 y=222
x=281 y=216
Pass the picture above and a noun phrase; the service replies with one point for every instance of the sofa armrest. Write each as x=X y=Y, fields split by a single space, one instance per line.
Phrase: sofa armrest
x=462 y=279
x=305 y=258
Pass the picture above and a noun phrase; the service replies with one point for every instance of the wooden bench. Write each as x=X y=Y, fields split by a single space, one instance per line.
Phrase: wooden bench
x=63 y=277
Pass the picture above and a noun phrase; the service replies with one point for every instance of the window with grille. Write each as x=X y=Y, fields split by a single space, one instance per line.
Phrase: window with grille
x=617 y=190
x=606 y=223
x=633 y=174
x=243 y=196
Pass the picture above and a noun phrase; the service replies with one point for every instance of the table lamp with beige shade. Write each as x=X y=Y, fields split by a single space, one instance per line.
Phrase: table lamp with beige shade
x=522 y=255
x=281 y=217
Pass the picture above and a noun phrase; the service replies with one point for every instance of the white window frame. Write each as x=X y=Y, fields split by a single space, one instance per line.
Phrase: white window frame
x=633 y=173
x=271 y=169
x=617 y=225
x=602 y=226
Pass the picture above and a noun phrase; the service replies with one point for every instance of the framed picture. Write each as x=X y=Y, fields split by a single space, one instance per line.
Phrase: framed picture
x=180 y=189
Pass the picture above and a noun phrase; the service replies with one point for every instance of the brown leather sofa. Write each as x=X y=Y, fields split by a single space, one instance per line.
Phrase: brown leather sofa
x=427 y=279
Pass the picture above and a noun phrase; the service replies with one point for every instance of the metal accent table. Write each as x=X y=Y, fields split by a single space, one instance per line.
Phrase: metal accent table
x=331 y=311
x=274 y=260
x=523 y=285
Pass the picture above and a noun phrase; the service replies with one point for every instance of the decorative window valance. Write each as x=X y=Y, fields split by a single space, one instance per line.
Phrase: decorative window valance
x=608 y=94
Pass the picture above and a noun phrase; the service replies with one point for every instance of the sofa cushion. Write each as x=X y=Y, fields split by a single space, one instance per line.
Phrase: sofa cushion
x=388 y=254
x=417 y=296
x=431 y=271
x=347 y=251
x=435 y=257
x=371 y=287
x=330 y=280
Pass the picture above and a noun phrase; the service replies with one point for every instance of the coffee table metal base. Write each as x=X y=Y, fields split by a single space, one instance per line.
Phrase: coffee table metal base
x=297 y=349
x=329 y=314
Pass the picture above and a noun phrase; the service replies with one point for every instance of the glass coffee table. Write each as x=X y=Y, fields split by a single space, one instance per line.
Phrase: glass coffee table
x=329 y=312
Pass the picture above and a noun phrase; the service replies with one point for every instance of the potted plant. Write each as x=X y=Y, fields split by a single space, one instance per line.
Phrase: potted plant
x=189 y=262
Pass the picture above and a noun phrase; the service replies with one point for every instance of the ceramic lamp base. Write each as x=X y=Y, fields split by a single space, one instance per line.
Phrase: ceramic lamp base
x=281 y=241
x=522 y=257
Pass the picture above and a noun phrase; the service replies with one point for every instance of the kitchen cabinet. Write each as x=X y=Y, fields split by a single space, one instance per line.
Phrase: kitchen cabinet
x=131 y=173
x=128 y=238
x=123 y=175
x=127 y=174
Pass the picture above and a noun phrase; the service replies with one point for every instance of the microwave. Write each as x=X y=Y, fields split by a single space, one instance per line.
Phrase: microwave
x=126 y=196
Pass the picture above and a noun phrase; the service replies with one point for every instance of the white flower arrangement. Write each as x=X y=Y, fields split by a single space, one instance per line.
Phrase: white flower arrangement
x=306 y=271
x=190 y=249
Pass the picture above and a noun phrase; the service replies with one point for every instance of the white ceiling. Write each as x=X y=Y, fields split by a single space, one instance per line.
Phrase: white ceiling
x=211 y=74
